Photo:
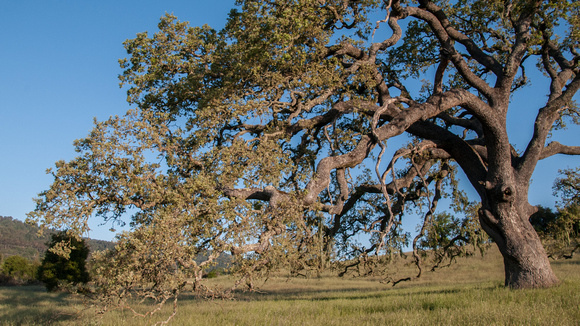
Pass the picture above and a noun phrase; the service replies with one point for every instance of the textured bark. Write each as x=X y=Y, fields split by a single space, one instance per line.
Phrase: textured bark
x=525 y=260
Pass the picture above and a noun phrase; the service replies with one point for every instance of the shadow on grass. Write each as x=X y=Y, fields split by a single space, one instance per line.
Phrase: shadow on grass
x=24 y=305
x=347 y=293
x=563 y=262
x=363 y=301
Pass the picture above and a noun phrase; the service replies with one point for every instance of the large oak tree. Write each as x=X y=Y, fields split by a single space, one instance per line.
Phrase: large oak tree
x=268 y=139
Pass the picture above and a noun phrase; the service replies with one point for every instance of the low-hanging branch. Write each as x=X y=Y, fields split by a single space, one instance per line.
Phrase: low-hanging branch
x=298 y=128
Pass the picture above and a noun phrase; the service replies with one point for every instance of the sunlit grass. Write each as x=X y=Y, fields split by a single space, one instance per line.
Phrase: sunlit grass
x=468 y=293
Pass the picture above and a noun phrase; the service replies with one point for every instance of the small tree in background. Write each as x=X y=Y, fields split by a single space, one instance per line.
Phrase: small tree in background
x=64 y=261
x=560 y=230
x=566 y=229
x=543 y=219
x=17 y=270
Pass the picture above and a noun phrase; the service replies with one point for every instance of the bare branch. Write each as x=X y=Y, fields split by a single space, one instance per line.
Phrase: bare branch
x=427 y=219
x=447 y=45
x=475 y=52
x=520 y=46
x=555 y=147
x=544 y=121
x=396 y=126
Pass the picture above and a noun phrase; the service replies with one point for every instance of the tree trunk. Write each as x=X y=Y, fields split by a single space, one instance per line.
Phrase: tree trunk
x=525 y=260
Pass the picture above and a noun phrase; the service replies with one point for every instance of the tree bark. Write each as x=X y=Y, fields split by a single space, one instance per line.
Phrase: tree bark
x=525 y=260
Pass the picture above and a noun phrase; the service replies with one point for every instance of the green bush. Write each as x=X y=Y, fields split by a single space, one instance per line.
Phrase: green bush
x=57 y=269
x=215 y=272
x=17 y=270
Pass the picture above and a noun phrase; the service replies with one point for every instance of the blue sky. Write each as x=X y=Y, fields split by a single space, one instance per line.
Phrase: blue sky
x=58 y=70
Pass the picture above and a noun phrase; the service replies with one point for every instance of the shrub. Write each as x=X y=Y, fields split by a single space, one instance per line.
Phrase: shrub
x=17 y=270
x=57 y=269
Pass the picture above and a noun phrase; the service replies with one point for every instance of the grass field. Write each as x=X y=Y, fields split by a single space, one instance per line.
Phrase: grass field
x=468 y=293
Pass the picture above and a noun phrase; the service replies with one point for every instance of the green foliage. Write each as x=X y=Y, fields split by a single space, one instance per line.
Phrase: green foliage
x=18 y=270
x=64 y=262
x=215 y=272
x=567 y=187
x=566 y=229
x=260 y=140
x=560 y=230
x=543 y=219
x=446 y=231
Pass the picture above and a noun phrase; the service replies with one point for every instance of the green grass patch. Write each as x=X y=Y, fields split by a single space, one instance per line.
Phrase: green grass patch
x=468 y=293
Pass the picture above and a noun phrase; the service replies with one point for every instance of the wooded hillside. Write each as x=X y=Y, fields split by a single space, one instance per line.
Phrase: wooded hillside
x=19 y=238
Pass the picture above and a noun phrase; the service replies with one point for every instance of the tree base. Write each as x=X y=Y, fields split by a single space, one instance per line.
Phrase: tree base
x=536 y=275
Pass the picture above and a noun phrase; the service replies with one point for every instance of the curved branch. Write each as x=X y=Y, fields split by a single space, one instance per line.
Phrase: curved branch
x=555 y=147
x=549 y=50
x=470 y=155
x=393 y=187
x=447 y=45
x=474 y=51
x=400 y=123
x=426 y=220
x=397 y=34
x=514 y=60
x=471 y=124
x=439 y=74
x=544 y=121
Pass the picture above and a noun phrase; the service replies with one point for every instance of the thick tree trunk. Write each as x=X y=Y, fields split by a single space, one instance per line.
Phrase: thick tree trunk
x=525 y=260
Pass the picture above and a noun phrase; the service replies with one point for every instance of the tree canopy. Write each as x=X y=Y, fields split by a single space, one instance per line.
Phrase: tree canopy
x=59 y=269
x=268 y=139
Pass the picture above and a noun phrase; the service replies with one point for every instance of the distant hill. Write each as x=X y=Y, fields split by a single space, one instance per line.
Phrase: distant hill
x=19 y=238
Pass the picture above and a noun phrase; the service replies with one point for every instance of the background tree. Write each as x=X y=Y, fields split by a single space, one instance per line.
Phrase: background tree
x=64 y=262
x=542 y=219
x=268 y=139
x=560 y=231
x=18 y=270
x=567 y=187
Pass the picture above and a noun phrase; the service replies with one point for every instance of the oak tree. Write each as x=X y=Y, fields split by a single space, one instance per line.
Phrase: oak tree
x=272 y=139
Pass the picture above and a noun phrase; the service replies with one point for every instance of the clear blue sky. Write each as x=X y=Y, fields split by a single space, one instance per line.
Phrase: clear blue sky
x=58 y=70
